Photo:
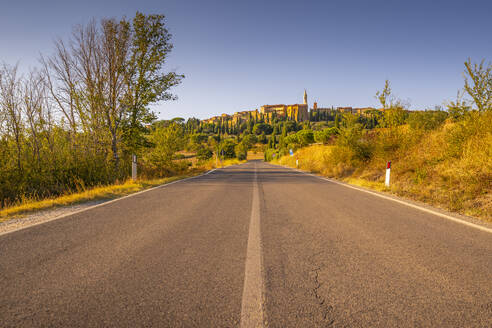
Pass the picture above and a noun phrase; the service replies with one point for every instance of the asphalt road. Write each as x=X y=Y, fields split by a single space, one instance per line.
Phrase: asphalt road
x=248 y=245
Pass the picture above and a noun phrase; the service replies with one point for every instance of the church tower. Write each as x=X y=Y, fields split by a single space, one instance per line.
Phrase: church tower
x=305 y=112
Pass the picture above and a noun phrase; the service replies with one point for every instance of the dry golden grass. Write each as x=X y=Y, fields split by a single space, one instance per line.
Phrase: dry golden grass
x=232 y=161
x=378 y=186
x=450 y=167
x=212 y=163
x=98 y=193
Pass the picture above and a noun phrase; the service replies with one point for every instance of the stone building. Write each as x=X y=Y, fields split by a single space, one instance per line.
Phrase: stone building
x=245 y=115
x=321 y=109
x=296 y=112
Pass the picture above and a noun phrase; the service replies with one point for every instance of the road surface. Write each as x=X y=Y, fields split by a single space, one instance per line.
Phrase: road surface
x=249 y=245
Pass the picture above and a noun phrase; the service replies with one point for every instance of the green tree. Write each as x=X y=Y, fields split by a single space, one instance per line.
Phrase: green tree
x=227 y=148
x=146 y=80
x=242 y=151
x=337 y=121
x=260 y=128
x=478 y=84
x=204 y=153
x=167 y=141
x=426 y=120
x=459 y=108
x=384 y=96
x=249 y=140
x=325 y=135
x=262 y=138
x=305 y=137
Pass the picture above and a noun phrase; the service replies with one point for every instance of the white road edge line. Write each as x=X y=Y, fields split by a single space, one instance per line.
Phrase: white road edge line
x=253 y=300
x=106 y=203
x=457 y=220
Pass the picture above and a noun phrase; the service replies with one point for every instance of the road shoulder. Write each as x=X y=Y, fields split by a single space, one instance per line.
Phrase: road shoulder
x=39 y=217
x=459 y=218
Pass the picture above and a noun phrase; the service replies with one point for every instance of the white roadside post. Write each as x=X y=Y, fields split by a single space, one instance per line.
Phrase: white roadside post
x=388 y=169
x=291 y=152
x=134 y=167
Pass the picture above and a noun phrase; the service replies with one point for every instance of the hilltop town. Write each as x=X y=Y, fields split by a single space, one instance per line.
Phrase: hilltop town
x=293 y=112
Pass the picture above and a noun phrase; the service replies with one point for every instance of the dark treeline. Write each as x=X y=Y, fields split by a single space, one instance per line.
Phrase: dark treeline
x=75 y=120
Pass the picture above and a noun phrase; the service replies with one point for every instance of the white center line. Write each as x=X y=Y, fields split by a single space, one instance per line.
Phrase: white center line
x=252 y=308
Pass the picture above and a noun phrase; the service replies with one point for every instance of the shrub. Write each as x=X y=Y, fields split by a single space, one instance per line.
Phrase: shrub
x=249 y=140
x=204 y=153
x=427 y=120
x=305 y=137
x=242 y=151
x=325 y=135
x=226 y=149
x=270 y=154
x=260 y=128
x=242 y=156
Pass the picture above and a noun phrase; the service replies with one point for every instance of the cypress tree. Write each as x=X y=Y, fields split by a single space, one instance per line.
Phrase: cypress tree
x=337 y=121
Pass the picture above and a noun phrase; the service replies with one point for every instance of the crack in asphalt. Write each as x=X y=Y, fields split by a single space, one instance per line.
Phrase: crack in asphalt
x=327 y=309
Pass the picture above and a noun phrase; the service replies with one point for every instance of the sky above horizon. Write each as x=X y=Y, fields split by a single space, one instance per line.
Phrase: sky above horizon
x=240 y=55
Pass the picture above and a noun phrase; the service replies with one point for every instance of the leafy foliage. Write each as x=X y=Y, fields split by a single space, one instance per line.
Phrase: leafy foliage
x=478 y=84
x=77 y=120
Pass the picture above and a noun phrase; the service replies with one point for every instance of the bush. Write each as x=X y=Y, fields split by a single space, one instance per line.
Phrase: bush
x=260 y=128
x=325 y=135
x=428 y=120
x=242 y=151
x=305 y=137
x=204 y=153
x=290 y=126
x=270 y=154
x=226 y=149
x=262 y=138
x=198 y=138
x=249 y=140
x=242 y=156
x=354 y=138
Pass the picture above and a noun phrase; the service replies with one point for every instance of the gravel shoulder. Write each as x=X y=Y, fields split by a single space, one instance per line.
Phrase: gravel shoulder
x=34 y=218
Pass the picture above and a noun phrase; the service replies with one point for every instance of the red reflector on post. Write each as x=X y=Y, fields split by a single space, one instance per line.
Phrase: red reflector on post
x=388 y=165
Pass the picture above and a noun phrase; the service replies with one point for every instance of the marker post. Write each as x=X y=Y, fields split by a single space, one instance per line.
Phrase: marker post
x=388 y=169
x=134 y=167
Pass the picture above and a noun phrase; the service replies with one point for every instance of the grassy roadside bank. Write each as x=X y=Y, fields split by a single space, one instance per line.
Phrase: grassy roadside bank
x=99 y=193
x=107 y=192
x=433 y=182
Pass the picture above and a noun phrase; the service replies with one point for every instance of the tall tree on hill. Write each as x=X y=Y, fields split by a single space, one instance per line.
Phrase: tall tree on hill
x=274 y=140
x=337 y=121
x=250 y=126
x=384 y=96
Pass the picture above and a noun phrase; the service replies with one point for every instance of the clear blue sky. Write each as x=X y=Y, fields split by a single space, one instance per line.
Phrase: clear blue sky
x=239 y=55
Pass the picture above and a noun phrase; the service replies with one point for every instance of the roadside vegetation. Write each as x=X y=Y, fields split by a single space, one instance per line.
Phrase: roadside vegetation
x=443 y=158
x=69 y=128
x=27 y=205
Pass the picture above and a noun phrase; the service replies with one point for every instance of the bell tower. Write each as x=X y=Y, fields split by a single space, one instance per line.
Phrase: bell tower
x=305 y=97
